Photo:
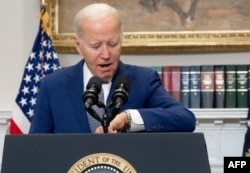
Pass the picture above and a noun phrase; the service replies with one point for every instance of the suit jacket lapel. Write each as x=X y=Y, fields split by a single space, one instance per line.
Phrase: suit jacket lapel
x=121 y=71
x=75 y=89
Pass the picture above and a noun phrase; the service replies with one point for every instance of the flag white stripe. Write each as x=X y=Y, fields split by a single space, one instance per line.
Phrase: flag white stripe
x=20 y=119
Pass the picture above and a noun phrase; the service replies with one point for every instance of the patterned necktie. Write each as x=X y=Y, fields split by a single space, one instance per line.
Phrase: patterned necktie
x=93 y=123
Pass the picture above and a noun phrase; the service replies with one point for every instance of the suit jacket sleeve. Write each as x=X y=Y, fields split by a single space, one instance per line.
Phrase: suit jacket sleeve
x=159 y=111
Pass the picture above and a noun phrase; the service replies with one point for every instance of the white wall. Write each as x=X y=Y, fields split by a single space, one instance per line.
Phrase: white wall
x=19 y=26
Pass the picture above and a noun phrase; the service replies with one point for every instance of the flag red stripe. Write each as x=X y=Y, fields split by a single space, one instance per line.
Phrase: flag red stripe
x=14 y=129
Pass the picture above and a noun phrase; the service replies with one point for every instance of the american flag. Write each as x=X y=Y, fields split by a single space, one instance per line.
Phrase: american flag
x=43 y=60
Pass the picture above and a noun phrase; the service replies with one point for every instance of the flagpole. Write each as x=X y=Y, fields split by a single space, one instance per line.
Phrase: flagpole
x=43 y=2
x=43 y=7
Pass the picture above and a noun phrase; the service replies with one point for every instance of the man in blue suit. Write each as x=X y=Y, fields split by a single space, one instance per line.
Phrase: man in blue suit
x=60 y=109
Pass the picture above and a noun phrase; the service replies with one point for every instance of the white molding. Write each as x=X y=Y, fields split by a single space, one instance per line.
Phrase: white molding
x=221 y=116
x=228 y=113
x=4 y=129
x=5 y=117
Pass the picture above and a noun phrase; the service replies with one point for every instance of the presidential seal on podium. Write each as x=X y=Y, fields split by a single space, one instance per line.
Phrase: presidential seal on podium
x=102 y=163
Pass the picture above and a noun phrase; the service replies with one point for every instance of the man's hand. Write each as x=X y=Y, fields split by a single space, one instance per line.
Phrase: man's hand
x=117 y=125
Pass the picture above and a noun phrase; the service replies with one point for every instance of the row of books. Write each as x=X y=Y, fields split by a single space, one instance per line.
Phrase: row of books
x=208 y=86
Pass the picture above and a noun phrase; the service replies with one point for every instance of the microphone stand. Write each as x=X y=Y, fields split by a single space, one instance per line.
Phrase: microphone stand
x=105 y=121
x=105 y=118
x=93 y=113
x=115 y=110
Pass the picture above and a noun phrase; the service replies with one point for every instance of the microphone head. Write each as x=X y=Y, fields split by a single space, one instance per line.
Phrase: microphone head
x=96 y=83
x=122 y=87
x=123 y=81
x=90 y=97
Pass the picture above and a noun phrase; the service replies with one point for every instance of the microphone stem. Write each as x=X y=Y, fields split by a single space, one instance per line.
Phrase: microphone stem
x=105 y=121
x=94 y=114
x=115 y=111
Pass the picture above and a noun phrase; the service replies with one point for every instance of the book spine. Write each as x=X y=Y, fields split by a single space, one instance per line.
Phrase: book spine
x=195 y=87
x=207 y=86
x=219 y=75
x=185 y=86
x=230 y=86
x=166 y=78
x=176 y=84
x=242 y=86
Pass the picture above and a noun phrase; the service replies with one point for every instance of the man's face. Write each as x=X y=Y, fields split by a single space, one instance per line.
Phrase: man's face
x=100 y=46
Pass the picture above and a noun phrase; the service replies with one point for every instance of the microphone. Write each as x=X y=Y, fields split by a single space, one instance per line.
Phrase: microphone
x=90 y=97
x=120 y=95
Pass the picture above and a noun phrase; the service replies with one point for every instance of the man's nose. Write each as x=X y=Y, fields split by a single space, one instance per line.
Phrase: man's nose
x=105 y=51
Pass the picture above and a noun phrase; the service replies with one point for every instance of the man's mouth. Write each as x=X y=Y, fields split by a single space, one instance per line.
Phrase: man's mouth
x=105 y=65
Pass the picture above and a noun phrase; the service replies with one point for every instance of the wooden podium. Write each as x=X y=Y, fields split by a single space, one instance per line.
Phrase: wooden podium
x=106 y=153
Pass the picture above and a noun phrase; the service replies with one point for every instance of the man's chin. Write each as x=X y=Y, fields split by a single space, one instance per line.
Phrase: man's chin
x=105 y=78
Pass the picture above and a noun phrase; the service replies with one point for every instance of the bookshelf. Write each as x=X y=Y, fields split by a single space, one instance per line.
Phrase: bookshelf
x=224 y=131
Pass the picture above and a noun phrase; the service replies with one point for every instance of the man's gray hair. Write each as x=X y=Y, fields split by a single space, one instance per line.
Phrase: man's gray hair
x=94 y=12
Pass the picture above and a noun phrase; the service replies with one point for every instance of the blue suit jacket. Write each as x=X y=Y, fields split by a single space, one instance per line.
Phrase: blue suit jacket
x=60 y=108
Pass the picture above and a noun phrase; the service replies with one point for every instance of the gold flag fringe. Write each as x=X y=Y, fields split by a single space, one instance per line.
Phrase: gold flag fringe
x=44 y=17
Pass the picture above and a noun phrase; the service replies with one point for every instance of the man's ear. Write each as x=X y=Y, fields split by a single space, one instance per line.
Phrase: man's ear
x=78 y=45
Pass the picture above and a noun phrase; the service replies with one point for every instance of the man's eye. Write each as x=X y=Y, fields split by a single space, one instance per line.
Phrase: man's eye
x=95 y=46
x=112 y=44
